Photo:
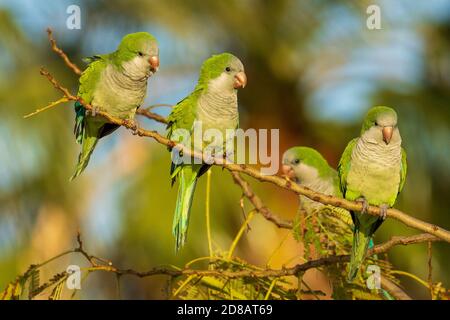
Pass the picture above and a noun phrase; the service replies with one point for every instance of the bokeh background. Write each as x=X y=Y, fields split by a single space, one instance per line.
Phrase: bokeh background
x=313 y=68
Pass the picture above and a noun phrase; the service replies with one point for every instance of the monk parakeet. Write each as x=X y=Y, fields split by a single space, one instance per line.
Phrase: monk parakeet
x=308 y=168
x=213 y=104
x=115 y=83
x=372 y=170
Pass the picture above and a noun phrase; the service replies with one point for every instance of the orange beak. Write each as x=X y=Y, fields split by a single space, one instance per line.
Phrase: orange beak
x=240 y=80
x=154 y=63
x=288 y=171
x=387 y=134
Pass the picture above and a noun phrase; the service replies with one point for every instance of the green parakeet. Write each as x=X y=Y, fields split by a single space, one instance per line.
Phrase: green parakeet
x=213 y=104
x=372 y=170
x=308 y=168
x=115 y=83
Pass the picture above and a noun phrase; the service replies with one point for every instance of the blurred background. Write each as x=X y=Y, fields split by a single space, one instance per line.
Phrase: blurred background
x=314 y=69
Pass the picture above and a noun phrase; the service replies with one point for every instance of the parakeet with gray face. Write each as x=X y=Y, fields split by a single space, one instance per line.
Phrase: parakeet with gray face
x=115 y=83
x=372 y=170
x=214 y=105
x=308 y=168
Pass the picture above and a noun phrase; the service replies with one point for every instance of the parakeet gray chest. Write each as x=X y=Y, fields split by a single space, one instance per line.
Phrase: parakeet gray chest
x=120 y=92
x=322 y=185
x=375 y=171
x=217 y=111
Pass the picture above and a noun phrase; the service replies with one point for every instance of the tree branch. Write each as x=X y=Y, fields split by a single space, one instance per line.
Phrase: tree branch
x=253 y=172
x=62 y=54
x=151 y=115
x=250 y=171
x=258 y=204
x=291 y=271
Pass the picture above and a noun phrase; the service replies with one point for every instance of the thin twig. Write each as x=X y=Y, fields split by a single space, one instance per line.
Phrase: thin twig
x=151 y=115
x=430 y=270
x=208 y=211
x=292 y=271
x=258 y=204
x=61 y=53
x=394 y=289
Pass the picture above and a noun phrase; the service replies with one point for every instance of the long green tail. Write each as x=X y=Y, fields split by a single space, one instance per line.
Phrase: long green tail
x=361 y=241
x=364 y=227
x=89 y=139
x=188 y=181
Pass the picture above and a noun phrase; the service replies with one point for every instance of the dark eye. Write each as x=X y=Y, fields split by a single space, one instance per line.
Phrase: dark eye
x=227 y=69
x=140 y=54
x=376 y=123
x=296 y=161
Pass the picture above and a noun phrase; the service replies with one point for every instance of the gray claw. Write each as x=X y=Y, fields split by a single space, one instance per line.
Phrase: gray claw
x=365 y=205
x=383 y=211
x=132 y=125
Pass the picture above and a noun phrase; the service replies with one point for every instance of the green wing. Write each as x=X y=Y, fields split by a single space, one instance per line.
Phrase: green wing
x=344 y=165
x=182 y=116
x=91 y=76
x=88 y=81
x=403 y=170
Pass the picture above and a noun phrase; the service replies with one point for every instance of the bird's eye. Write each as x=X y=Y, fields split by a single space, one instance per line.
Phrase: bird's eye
x=296 y=161
x=140 y=54
x=227 y=69
x=376 y=123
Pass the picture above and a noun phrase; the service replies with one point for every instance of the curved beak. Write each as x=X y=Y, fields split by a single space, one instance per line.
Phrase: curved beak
x=387 y=134
x=240 y=80
x=288 y=171
x=154 y=63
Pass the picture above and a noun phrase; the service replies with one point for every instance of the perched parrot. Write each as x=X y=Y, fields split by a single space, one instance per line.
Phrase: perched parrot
x=372 y=170
x=308 y=168
x=115 y=83
x=213 y=103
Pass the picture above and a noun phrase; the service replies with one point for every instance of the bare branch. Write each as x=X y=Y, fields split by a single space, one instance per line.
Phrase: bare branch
x=291 y=271
x=394 y=289
x=61 y=53
x=397 y=240
x=258 y=204
x=151 y=115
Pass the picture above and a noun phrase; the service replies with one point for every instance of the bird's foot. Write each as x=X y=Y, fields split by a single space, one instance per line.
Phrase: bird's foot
x=132 y=125
x=93 y=112
x=383 y=211
x=365 y=205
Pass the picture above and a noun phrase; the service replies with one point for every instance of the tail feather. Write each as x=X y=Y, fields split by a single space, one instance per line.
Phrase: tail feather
x=188 y=181
x=361 y=242
x=89 y=140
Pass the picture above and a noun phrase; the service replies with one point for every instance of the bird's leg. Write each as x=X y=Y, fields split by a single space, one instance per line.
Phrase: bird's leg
x=383 y=211
x=365 y=204
x=93 y=111
x=132 y=124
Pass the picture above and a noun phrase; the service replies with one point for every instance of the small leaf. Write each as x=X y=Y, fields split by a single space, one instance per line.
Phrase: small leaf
x=57 y=290
x=34 y=283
